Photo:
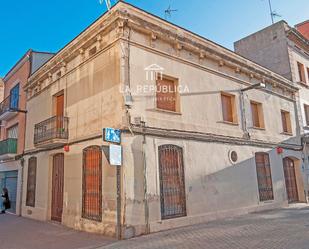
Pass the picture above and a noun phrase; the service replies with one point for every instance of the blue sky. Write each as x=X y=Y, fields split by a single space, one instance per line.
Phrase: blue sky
x=50 y=25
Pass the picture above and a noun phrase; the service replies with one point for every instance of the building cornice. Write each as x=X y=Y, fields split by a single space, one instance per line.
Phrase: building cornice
x=123 y=15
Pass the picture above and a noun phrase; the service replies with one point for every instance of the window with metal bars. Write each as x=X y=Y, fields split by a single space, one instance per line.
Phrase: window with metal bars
x=92 y=183
x=264 y=179
x=172 y=182
x=31 y=182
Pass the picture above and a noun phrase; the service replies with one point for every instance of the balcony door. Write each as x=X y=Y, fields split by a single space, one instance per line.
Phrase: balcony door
x=59 y=108
x=14 y=97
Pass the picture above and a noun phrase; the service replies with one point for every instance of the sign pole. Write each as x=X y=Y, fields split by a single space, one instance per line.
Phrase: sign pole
x=118 y=182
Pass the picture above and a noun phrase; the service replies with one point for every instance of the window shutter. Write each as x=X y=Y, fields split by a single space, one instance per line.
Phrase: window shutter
x=166 y=95
x=255 y=115
x=306 y=108
x=228 y=109
x=301 y=72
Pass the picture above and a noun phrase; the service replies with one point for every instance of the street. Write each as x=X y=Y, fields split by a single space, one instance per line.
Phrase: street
x=278 y=229
x=286 y=228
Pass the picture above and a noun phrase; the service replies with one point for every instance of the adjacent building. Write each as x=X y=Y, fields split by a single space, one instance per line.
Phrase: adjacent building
x=13 y=122
x=206 y=133
x=285 y=50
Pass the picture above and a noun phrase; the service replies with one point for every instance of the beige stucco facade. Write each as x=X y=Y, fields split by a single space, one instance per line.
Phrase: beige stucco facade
x=110 y=56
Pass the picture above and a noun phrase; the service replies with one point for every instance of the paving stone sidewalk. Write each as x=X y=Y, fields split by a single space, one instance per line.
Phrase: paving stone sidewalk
x=21 y=233
x=277 y=229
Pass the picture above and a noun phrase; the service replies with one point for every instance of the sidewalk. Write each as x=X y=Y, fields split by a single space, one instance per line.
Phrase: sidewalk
x=22 y=233
x=286 y=228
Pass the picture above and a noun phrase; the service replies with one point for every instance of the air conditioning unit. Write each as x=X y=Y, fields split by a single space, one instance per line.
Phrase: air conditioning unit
x=139 y=120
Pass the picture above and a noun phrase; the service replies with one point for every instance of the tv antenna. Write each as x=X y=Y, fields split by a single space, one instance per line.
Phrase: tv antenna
x=168 y=12
x=273 y=13
x=108 y=3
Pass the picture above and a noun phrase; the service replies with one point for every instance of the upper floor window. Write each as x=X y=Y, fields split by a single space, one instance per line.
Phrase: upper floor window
x=14 y=97
x=229 y=112
x=286 y=122
x=301 y=72
x=306 y=109
x=166 y=95
x=257 y=115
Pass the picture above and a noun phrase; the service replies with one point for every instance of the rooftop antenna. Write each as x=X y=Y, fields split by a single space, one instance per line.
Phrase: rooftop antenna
x=273 y=14
x=108 y=3
x=168 y=12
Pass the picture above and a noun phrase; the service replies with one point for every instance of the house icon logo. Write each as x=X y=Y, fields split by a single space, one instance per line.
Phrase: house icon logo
x=154 y=72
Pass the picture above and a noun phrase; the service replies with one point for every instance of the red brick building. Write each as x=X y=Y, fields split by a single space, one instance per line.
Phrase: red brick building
x=303 y=28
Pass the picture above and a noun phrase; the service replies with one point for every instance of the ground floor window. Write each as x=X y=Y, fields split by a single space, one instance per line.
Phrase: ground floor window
x=92 y=183
x=31 y=182
x=264 y=176
x=172 y=182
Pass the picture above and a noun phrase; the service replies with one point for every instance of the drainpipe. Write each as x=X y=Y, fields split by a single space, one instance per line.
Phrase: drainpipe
x=146 y=206
x=243 y=115
x=22 y=163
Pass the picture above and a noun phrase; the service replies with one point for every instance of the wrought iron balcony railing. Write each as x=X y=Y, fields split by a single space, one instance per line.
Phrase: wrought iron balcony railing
x=53 y=128
x=8 y=146
x=10 y=103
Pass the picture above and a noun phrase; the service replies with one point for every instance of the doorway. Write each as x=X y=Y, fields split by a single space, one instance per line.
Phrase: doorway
x=57 y=187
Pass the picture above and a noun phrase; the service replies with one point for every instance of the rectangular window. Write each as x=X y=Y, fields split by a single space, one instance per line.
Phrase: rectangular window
x=229 y=113
x=306 y=109
x=31 y=182
x=286 y=122
x=257 y=114
x=301 y=72
x=167 y=98
x=264 y=179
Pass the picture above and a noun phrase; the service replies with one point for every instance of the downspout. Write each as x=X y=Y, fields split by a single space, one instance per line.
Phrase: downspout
x=22 y=164
x=146 y=206
x=243 y=115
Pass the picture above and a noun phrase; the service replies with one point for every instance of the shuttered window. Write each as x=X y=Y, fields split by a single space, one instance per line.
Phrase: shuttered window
x=264 y=179
x=286 y=122
x=306 y=109
x=257 y=115
x=92 y=183
x=301 y=72
x=31 y=182
x=228 y=108
x=166 y=95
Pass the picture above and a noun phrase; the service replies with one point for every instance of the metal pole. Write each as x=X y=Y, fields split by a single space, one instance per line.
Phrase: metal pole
x=118 y=182
x=271 y=12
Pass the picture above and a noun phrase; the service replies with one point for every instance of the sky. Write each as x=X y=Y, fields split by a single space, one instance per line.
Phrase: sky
x=48 y=25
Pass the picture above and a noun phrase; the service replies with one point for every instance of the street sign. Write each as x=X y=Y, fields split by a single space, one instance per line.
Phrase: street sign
x=115 y=155
x=111 y=135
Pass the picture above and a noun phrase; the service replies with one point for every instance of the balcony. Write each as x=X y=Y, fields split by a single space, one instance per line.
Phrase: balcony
x=52 y=132
x=8 y=148
x=9 y=107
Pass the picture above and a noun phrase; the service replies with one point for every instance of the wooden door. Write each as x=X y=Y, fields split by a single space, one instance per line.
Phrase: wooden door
x=57 y=187
x=290 y=179
x=172 y=182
